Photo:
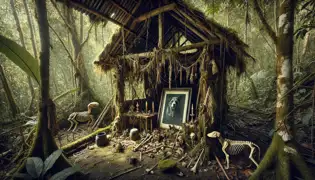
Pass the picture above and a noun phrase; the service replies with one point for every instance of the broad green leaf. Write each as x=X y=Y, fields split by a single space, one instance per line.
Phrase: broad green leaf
x=64 y=173
x=22 y=176
x=34 y=166
x=50 y=161
x=21 y=57
x=66 y=93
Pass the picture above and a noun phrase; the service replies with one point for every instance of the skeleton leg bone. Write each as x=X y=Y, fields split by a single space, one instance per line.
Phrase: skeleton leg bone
x=251 y=155
x=225 y=145
x=71 y=124
x=75 y=125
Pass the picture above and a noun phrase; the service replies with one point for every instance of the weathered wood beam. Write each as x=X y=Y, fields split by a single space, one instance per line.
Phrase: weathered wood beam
x=102 y=16
x=122 y=8
x=177 y=49
x=156 y=11
x=161 y=38
x=194 y=21
x=193 y=29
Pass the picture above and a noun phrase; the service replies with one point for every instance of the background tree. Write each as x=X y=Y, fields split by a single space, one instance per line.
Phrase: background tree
x=283 y=148
x=18 y=26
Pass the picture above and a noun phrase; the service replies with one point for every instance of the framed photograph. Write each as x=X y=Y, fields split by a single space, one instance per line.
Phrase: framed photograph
x=174 y=107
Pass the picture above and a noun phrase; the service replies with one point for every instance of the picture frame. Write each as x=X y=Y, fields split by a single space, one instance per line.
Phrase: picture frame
x=174 y=107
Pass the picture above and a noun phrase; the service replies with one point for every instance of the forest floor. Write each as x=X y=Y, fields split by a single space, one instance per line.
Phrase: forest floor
x=105 y=163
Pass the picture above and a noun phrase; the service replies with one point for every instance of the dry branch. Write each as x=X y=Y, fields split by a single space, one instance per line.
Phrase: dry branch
x=125 y=172
x=227 y=177
x=103 y=113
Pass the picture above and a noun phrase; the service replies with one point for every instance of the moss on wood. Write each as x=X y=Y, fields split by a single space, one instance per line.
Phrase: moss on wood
x=84 y=139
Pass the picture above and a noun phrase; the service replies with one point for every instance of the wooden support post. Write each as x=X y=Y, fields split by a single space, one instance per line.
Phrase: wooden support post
x=155 y=12
x=119 y=88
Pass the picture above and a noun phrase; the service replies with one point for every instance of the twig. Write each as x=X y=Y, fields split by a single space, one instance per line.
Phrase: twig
x=125 y=172
x=227 y=177
x=142 y=143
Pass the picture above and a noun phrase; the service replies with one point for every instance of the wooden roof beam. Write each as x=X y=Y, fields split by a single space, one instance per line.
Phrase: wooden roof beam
x=193 y=29
x=177 y=49
x=122 y=8
x=102 y=16
x=194 y=21
x=155 y=12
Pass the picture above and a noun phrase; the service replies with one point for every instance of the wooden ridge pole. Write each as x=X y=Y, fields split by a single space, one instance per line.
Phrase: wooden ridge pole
x=155 y=12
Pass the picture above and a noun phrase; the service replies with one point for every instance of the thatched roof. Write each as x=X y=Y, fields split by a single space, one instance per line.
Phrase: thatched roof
x=178 y=17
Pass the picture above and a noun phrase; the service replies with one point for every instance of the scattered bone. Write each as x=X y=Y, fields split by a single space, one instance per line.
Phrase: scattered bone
x=192 y=138
x=153 y=149
x=180 y=174
x=194 y=169
x=151 y=155
x=143 y=142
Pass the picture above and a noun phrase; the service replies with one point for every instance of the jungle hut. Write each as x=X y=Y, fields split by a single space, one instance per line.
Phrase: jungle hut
x=168 y=44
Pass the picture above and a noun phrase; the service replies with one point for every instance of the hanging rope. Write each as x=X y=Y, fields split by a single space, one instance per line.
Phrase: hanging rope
x=148 y=22
x=222 y=82
x=124 y=44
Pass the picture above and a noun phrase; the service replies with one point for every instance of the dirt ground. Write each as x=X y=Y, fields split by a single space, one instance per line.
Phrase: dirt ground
x=104 y=163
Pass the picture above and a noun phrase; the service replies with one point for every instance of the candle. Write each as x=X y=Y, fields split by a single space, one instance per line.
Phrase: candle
x=146 y=106
x=152 y=107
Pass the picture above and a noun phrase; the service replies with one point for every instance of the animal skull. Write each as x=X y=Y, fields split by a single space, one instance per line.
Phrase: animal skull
x=214 y=134
x=192 y=138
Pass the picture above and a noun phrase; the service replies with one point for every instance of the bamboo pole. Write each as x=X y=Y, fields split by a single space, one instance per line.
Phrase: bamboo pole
x=155 y=12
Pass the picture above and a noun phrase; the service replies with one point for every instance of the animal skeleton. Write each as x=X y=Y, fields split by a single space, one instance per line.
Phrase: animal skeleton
x=234 y=147
x=172 y=106
x=80 y=117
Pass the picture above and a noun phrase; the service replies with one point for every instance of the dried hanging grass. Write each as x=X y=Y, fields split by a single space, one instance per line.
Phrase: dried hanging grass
x=192 y=73
x=187 y=74
x=180 y=75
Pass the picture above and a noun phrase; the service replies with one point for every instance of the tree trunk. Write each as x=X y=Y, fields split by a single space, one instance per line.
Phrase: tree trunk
x=18 y=26
x=44 y=143
x=13 y=106
x=31 y=27
x=283 y=148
